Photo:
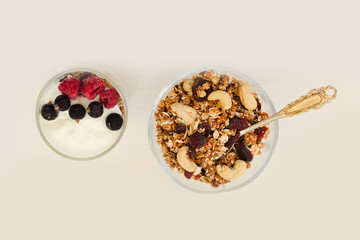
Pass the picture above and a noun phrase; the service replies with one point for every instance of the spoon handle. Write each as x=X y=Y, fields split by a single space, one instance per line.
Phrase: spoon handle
x=314 y=99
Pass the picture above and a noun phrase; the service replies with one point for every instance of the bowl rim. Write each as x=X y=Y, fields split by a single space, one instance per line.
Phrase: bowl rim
x=176 y=80
x=105 y=76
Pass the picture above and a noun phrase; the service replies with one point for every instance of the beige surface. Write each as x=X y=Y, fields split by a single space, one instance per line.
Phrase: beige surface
x=310 y=190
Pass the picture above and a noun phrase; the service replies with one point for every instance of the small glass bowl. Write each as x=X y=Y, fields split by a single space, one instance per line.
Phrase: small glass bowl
x=43 y=98
x=257 y=165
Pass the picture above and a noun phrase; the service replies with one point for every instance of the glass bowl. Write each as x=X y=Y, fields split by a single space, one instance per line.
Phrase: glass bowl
x=257 y=165
x=58 y=140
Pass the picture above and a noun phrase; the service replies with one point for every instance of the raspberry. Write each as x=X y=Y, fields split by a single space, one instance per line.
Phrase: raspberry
x=70 y=87
x=92 y=86
x=109 y=98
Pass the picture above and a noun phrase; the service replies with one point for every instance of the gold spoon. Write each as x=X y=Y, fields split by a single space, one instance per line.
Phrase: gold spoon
x=314 y=99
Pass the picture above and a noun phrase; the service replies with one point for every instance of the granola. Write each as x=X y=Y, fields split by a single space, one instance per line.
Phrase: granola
x=199 y=121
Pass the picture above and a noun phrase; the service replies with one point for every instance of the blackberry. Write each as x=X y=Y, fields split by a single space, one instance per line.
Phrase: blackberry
x=62 y=103
x=77 y=112
x=48 y=112
x=109 y=98
x=95 y=109
x=114 y=121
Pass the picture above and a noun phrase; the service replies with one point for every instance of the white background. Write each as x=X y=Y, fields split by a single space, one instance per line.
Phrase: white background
x=310 y=189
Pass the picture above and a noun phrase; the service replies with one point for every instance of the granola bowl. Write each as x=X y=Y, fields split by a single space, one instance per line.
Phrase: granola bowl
x=197 y=118
x=81 y=114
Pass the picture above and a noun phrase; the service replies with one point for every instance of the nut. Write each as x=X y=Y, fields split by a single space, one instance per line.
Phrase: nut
x=216 y=134
x=171 y=93
x=184 y=160
x=246 y=96
x=197 y=171
x=223 y=97
x=186 y=113
x=232 y=173
x=224 y=138
x=201 y=93
x=187 y=85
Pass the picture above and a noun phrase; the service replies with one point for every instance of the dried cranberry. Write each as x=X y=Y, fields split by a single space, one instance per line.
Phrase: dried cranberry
x=197 y=83
x=188 y=174
x=258 y=105
x=232 y=140
x=238 y=123
x=196 y=177
x=180 y=128
x=242 y=151
x=207 y=128
x=197 y=140
x=192 y=153
x=260 y=132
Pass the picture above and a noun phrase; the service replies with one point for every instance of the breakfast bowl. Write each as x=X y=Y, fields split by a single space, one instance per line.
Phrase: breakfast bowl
x=81 y=114
x=195 y=117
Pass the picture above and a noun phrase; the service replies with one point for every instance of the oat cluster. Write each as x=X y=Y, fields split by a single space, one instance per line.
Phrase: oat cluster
x=199 y=121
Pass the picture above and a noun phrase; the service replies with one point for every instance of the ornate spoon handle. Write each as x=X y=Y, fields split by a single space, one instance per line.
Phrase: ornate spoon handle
x=314 y=99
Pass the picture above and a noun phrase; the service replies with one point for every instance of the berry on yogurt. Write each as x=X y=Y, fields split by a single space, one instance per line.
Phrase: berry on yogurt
x=114 y=121
x=109 y=98
x=62 y=103
x=95 y=109
x=92 y=86
x=48 y=112
x=70 y=87
x=77 y=112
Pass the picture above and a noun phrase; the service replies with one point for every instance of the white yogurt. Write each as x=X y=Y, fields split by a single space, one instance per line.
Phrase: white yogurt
x=87 y=138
